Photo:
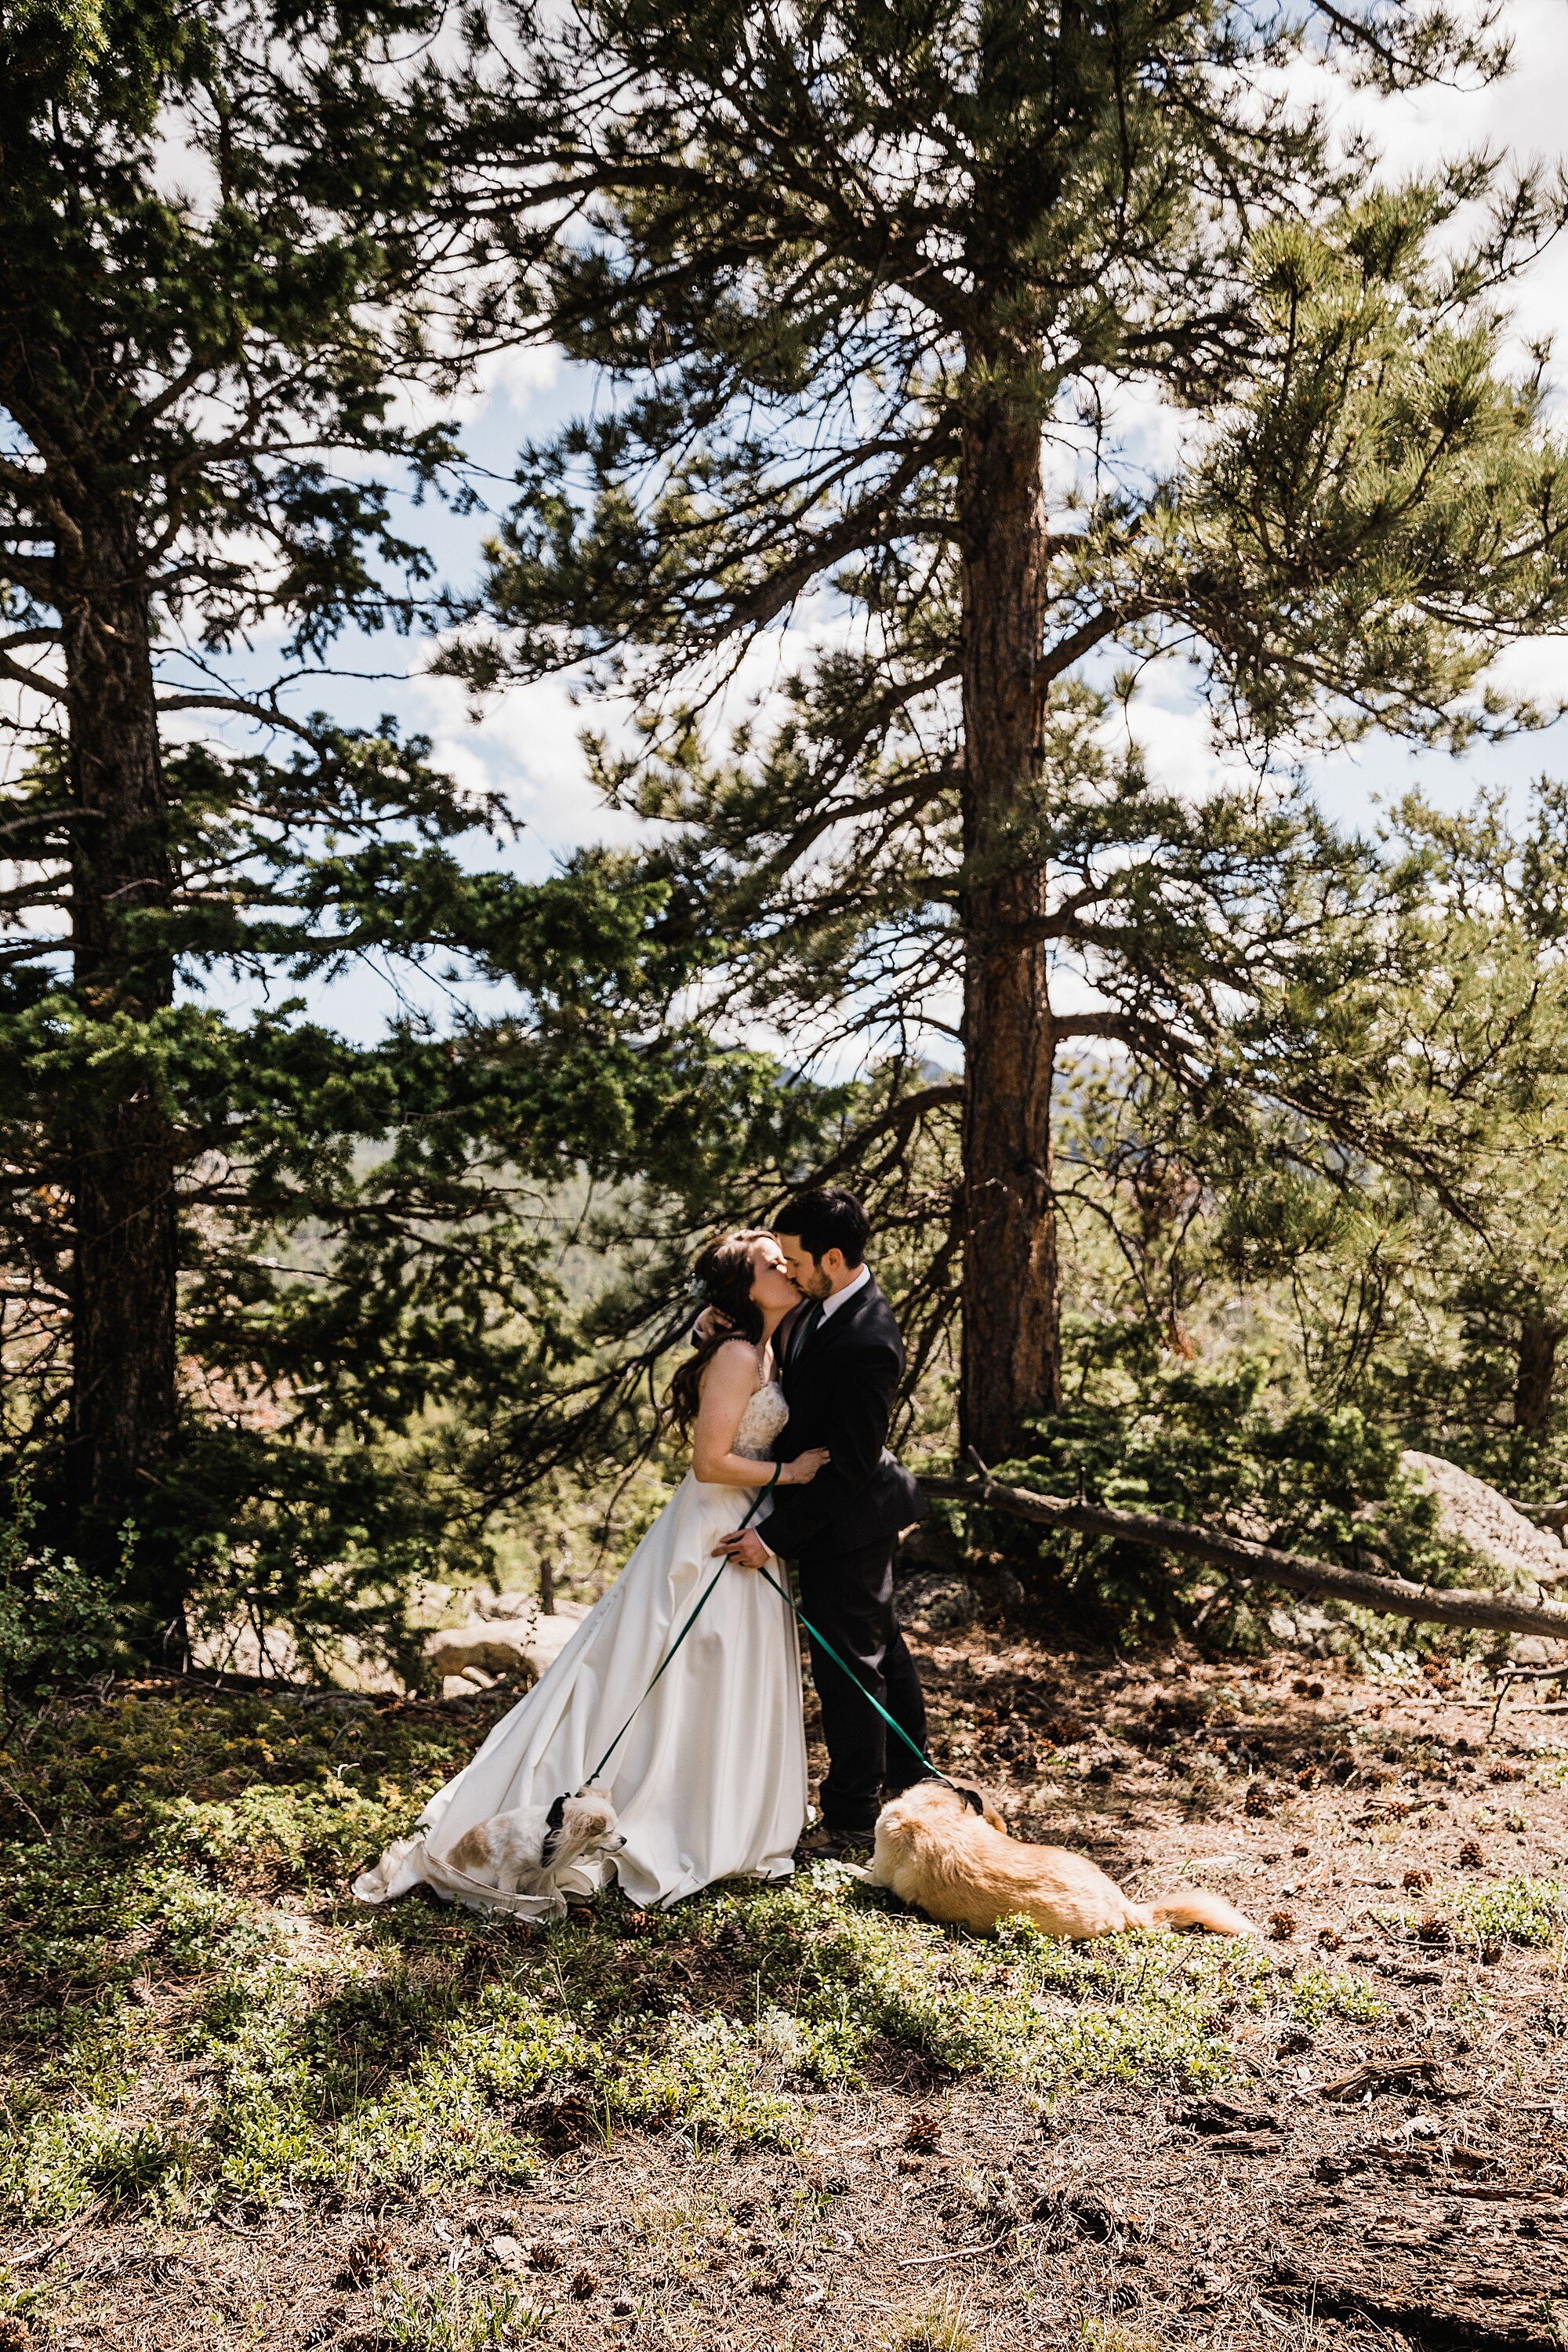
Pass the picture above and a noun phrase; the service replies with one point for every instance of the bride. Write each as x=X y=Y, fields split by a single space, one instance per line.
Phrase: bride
x=709 y=1780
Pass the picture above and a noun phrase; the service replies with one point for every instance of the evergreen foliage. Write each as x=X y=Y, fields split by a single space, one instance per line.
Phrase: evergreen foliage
x=1182 y=1442
x=1258 y=1329
x=271 y=1294
x=880 y=300
x=947 y=355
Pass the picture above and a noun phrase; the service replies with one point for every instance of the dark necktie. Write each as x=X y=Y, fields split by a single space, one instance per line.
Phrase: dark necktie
x=804 y=1327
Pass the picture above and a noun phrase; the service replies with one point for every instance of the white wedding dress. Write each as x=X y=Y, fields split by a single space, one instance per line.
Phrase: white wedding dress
x=710 y=1781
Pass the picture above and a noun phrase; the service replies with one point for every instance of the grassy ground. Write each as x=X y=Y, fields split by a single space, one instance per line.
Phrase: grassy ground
x=239 y=2111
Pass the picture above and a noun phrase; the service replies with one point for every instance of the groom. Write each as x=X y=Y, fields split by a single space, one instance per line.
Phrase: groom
x=843 y=1361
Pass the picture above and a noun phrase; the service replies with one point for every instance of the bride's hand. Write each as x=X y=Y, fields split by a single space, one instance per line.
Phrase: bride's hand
x=804 y=1467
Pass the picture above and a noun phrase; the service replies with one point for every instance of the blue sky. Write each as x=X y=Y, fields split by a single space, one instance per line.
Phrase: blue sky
x=525 y=746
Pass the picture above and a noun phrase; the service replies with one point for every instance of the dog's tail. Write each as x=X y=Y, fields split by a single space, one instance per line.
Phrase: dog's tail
x=1195 y=1909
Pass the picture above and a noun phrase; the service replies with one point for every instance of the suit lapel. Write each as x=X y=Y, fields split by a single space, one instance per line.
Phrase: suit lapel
x=811 y=1318
x=808 y=1339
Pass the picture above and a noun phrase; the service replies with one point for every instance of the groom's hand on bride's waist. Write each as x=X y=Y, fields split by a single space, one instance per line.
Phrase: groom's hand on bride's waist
x=744 y=1548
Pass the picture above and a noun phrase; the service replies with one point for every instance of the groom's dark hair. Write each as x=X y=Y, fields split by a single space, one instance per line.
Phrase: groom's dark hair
x=826 y=1219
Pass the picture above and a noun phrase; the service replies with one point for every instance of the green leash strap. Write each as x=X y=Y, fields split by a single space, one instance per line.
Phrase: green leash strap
x=822 y=1643
x=669 y=1655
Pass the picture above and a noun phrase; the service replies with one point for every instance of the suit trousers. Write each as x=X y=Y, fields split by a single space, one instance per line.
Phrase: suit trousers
x=850 y=1596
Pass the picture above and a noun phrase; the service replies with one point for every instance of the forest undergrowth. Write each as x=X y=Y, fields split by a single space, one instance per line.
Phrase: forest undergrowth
x=239 y=2109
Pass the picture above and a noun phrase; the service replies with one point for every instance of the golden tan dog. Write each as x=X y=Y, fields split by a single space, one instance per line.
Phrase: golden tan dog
x=933 y=1850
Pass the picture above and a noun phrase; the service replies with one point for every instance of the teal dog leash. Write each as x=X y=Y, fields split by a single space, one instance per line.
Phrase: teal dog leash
x=821 y=1640
x=892 y=1723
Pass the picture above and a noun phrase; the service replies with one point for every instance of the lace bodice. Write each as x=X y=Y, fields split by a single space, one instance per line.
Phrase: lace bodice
x=766 y=1414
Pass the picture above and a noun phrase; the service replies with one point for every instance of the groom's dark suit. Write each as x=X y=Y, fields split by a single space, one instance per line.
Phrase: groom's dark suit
x=840 y=1376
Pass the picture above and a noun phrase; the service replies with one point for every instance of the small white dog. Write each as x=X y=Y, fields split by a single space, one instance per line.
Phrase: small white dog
x=522 y=1852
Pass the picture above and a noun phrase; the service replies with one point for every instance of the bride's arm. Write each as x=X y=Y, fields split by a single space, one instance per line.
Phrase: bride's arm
x=728 y=1386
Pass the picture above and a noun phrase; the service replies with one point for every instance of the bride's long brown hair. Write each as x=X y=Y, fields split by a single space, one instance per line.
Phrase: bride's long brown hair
x=724 y=1274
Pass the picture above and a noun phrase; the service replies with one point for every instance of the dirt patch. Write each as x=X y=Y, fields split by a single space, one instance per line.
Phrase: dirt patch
x=1378 y=2153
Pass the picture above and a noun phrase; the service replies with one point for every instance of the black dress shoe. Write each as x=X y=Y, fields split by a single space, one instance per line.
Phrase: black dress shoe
x=825 y=1843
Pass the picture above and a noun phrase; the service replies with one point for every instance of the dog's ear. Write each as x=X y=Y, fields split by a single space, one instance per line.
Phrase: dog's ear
x=971 y=1798
x=553 y=1821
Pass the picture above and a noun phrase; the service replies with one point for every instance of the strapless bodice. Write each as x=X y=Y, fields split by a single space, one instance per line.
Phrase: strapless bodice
x=766 y=1414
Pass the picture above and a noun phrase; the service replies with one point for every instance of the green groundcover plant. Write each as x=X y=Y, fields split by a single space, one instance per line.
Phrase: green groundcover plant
x=195 y=2016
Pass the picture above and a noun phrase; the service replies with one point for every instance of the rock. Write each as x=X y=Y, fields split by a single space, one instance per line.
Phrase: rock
x=524 y=1646
x=550 y=1635
x=240 y=1650
x=930 y=1546
x=1473 y=1514
x=1005 y=1590
x=495 y=1649
x=935 y=1604
x=465 y=1686
x=510 y=1605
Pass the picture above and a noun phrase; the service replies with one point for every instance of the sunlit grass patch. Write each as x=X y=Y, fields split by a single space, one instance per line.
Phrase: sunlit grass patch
x=174 y=2039
x=449 y=2318
x=1112 y=2335
x=1518 y=1910
x=63 y=2160
x=943 y=2327
x=1319 y=1993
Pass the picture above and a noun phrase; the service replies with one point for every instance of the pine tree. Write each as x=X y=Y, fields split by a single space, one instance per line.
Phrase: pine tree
x=882 y=294
x=1443 y=1306
x=263 y=1283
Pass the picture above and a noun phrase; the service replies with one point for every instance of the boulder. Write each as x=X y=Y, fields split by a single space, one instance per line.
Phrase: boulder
x=465 y=1686
x=548 y=1636
x=935 y=1604
x=929 y=1547
x=523 y=1646
x=1474 y=1514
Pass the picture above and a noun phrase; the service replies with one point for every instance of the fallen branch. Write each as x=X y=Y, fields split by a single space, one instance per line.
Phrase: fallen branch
x=50 y=2247
x=1545 y=1515
x=1391 y=1596
x=953 y=2253
x=1383 y=2074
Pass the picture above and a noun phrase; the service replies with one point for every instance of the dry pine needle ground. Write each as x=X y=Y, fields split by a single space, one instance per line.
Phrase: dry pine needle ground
x=240 y=2112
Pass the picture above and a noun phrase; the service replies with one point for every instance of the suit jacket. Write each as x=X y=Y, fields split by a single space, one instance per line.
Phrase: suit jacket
x=839 y=1385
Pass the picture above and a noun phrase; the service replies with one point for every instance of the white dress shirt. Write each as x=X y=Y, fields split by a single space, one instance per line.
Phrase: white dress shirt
x=831 y=1305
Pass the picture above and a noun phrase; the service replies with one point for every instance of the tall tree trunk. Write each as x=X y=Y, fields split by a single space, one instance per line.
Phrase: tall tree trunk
x=1539 y=1340
x=1012 y=1308
x=122 y=1148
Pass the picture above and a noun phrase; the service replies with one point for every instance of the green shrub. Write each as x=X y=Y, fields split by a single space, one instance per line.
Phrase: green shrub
x=58 y=1625
x=1332 y=1992
x=1518 y=1910
x=1219 y=1449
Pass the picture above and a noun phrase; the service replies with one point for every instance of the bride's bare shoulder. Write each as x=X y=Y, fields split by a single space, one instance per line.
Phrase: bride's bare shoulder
x=732 y=1365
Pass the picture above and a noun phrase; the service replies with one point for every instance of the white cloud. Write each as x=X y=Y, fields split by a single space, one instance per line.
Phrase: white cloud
x=526 y=745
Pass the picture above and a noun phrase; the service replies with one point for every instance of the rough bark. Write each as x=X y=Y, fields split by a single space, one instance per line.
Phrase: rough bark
x=1539 y=1340
x=122 y=1149
x=1012 y=1363
x=1392 y=1596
